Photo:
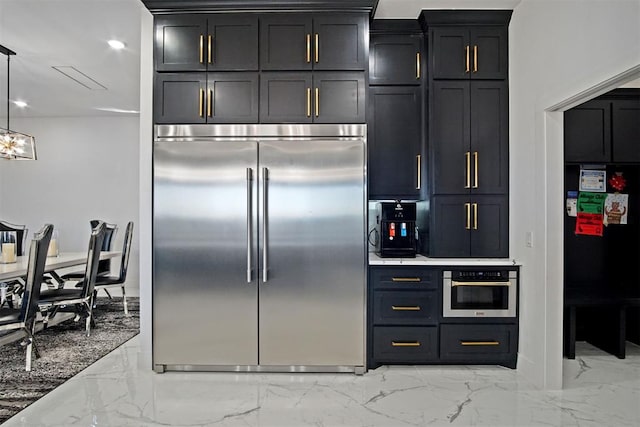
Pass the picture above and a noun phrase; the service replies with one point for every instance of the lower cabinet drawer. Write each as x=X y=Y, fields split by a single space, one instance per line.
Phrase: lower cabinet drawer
x=400 y=344
x=481 y=343
x=405 y=308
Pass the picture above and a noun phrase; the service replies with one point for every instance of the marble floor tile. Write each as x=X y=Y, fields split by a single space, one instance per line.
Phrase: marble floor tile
x=600 y=390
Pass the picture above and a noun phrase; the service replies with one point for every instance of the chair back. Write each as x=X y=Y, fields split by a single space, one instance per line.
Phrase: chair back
x=126 y=251
x=35 y=272
x=21 y=235
x=104 y=266
x=93 y=256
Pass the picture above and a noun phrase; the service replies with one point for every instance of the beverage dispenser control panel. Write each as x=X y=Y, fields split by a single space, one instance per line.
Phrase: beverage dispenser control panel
x=396 y=226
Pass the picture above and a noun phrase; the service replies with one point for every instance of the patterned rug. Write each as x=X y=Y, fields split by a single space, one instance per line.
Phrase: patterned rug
x=65 y=350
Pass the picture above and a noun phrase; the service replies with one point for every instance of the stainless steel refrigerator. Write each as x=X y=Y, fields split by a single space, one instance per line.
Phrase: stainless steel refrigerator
x=259 y=248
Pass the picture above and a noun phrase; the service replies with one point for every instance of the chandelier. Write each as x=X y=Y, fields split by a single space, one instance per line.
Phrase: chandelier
x=14 y=145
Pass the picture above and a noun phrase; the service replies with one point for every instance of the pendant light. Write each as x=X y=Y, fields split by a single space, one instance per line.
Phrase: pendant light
x=15 y=145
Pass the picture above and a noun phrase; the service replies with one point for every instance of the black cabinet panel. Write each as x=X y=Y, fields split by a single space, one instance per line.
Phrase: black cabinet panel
x=489 y=52
x=403 y=278
x=180 y=43
x=626 y=130
x=395 y=142
x=286 y=97
x=402 y=308
x=339 y=97
x=490 y=226
x=180 y=98
x=232 y=98
x=396 y=60
x=587 y=132
x=286 y=42
x=340 y=41
x=401 y=344
x=449 y=53
x=234 y=42
x=471 y=343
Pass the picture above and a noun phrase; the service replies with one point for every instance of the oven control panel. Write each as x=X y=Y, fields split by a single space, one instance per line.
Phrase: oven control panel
x=480 y=275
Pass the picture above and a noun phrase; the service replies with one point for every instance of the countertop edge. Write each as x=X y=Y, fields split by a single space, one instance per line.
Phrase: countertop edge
x=422 y=260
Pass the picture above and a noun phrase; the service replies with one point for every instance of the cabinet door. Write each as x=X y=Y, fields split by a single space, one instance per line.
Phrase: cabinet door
x=489 y=137
x=286 y=97
x=234 y=42
x=450 y=53
x=489 y=53
x=626 y=130
x=179 y=98
x=450 y=226
x=180 y=43
x=339 y=41
x=489 y=227
x=339 y=97
x=395 y=142
x=232 y=97
x=395 y=60
x=587 y=132
x=286 y=42
x=450 y=160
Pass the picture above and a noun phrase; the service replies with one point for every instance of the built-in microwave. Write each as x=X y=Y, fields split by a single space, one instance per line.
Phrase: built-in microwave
x=479 y=293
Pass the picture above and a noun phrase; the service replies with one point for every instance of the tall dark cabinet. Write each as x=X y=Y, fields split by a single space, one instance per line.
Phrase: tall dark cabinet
x=468 y=135
x=396 y=114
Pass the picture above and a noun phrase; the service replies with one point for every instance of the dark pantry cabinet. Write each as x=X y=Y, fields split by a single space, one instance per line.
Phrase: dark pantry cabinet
x=396 y=59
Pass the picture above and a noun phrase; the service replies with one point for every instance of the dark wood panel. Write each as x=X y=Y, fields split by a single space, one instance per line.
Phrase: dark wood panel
x=177 y=43
x=400 y=344
x=340 y=97
x=393 y=60
x=587 y=132
x=234 y=97
x=489 y=51
x=163 y=6
x=286 y=97
x=449 y=227
x=286 y=42
x=341 y=42
x=179 y=98
x=234 y=42
x=406 y=308
x=491 y=236
x=449 y=56
x=626 y=130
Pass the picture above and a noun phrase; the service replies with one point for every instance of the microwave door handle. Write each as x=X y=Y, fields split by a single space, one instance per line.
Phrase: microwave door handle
x=456 y=283
x=249 y=223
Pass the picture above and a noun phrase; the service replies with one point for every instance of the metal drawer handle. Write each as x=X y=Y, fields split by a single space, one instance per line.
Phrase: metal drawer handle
x=479 y=343
x=405 y=279
x=405 y=343
x=406 y=308
x=456 y=283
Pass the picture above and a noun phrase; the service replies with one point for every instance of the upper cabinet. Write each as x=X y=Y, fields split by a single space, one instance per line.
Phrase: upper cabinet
x=396 y=59
x=313 y=42
x=605 y=129
x=210 y=42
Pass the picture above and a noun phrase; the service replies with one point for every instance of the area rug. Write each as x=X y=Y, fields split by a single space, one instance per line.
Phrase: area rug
x=65 y=350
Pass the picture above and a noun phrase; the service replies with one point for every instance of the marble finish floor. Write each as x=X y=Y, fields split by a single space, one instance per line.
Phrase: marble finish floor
x=600 y=390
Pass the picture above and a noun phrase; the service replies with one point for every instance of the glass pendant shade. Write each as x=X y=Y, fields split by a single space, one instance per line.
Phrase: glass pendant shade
x=17 y=146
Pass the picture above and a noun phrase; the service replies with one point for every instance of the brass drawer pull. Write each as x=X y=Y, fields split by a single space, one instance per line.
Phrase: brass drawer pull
x=308 y=47
x=406 y=308
x=475 y=59
x=200 y=103
x=201 y=56
x=466 y=49
x=405 y=279
x=405 y=343
x=209 y=55
x=418 y=66
x=479 y=343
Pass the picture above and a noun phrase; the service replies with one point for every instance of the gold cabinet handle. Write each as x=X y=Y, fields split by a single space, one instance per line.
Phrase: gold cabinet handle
x=472 y=343
x=209 y=55
x=475 y=58
x=200 y=102
x=309 y=47
x=405 y=343
x=317 y=58
x=405 y=308
x=475 y=169
x=419 y=160
x=466 y=70
x=317 y=102
x=308 y=102
x=418 y=66
x=405 y=279
x=202 y=48
x=209 y=102
x=467 y=208
x=475 y=216
x=467 y=156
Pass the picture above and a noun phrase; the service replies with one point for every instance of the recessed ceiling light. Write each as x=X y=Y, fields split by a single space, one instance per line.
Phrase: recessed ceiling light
x=116 y=44
x=20 y=104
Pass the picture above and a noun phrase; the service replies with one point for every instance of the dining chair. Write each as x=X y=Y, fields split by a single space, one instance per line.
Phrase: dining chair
x=81 y=299
x=14 y=287
x=104 y=266
x=105 y=282
x=24 y=318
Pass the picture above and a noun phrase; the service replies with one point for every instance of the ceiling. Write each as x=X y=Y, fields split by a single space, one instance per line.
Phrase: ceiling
x=55 y=33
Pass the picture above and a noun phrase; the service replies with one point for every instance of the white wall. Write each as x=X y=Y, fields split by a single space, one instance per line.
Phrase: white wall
x=87 y=168
x=557 y=49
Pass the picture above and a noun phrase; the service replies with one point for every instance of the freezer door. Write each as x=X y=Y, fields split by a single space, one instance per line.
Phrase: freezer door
x=312 y=292
x=204 y=298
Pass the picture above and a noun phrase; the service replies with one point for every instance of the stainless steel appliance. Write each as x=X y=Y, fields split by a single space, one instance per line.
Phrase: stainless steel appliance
x=479 y=293
x=396 y=224
x=259 y=248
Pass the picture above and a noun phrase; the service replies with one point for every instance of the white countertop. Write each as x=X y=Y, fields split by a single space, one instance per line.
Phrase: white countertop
x=423 y=260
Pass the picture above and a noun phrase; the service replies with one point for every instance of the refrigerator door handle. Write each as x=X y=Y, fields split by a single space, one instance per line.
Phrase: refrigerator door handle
x=249 y=223
x=265 y=222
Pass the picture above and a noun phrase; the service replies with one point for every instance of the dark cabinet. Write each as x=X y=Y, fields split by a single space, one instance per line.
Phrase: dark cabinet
x=468 y=343
x=319 y=97
x=395 y=142
x=469 y=52
x=463 y=226
x=213 y=42
x=603 y=130
x=313 y=42
x=396 y=59
x=192 y=98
